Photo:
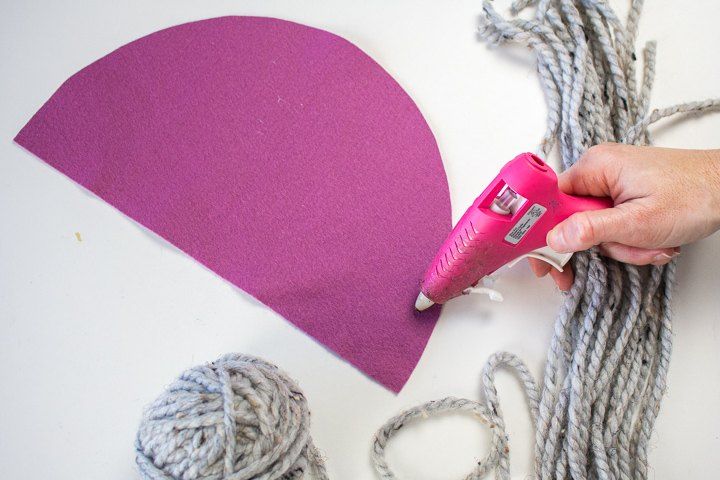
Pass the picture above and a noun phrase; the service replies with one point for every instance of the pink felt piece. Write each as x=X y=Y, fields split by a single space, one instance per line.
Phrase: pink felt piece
x=280 y=156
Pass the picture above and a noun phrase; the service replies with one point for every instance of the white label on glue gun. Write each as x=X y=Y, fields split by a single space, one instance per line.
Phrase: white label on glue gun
x=523 y=225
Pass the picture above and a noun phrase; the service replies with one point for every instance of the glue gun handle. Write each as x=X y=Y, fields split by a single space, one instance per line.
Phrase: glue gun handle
x=574 y=204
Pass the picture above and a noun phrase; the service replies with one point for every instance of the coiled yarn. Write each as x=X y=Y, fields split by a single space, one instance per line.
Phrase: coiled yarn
x=237 y=418
x=608 y=359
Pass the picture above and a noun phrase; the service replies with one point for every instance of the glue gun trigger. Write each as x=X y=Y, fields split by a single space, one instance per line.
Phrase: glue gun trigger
x=547 y=255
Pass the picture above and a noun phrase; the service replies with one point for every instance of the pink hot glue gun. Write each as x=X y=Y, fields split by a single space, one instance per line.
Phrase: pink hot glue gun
x=508 y=222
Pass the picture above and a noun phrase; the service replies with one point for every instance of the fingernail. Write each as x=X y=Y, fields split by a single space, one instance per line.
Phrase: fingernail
x=663 y=258
x=556 y=240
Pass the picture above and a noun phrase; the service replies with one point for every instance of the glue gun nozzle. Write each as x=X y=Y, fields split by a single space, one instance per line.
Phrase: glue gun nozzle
x=423 y=302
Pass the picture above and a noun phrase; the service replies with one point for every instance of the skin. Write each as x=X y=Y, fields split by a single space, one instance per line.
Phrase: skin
x=663 y=197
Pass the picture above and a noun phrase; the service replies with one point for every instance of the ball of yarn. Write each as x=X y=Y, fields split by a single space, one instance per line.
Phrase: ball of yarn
x=237 y=418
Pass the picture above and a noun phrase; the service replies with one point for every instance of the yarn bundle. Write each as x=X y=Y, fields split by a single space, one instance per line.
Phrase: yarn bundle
x=608 y=359
x=237 y=418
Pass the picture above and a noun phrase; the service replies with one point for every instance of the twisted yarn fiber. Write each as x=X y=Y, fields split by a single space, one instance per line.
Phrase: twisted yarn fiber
x=608 y=359
x=237 y=418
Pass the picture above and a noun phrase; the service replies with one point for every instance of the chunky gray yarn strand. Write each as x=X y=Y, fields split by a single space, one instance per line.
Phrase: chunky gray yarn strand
x=237 y=418
x=606 y=368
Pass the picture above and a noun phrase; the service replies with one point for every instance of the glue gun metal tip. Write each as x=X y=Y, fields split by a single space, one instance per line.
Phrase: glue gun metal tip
x=423 y=303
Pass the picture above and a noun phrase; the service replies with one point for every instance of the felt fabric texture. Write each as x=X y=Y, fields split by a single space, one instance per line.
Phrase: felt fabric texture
x=280 y=156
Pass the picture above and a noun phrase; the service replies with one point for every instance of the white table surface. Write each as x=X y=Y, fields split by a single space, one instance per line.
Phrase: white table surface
x=91 y=331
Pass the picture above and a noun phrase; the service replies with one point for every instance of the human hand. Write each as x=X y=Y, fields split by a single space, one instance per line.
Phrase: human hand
x=664 y=198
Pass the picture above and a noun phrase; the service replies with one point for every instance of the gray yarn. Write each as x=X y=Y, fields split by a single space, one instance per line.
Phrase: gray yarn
x=608 y=359
x=237 y=418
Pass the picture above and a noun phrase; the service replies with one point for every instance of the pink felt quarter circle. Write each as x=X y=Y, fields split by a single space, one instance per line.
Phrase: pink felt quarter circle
x=280 y=156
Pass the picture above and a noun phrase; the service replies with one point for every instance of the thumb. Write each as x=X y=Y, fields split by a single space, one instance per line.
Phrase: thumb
x=586 y=229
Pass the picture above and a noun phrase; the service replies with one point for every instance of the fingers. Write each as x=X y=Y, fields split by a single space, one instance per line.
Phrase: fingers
x=617 y=251
x=639 y=256
x=562 y=279
x=539 y=268
x=595 y=174
x=586 y=229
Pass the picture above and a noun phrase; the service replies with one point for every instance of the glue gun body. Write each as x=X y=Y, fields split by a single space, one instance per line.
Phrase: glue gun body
x=507 y=222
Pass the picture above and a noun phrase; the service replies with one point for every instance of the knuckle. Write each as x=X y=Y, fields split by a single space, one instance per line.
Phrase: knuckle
x=601 y=152
x=586 y=229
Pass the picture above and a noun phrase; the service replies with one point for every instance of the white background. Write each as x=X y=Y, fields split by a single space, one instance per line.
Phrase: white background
x=91 y=331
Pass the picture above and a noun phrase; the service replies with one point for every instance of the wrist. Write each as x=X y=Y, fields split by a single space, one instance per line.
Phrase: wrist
x=711 y=161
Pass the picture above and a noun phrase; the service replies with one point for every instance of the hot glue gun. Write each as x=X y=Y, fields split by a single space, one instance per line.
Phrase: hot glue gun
x=508 y=222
